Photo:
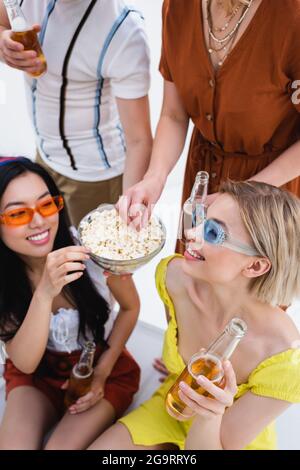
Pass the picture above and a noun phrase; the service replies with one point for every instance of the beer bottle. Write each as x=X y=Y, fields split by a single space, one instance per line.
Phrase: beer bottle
x=21 y=32
x=81 y=376
x=207 y=363
x=194 y=213
x=200 y=188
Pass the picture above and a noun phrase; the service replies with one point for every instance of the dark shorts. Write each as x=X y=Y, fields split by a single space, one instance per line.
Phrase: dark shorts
x=55 y=369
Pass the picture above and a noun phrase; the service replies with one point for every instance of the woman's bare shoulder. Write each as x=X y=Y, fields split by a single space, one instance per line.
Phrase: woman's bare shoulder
x=281 y=333
x=287 y=329
x=175 y=277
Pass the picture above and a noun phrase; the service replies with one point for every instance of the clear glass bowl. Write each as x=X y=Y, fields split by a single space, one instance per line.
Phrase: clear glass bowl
x=120 y=266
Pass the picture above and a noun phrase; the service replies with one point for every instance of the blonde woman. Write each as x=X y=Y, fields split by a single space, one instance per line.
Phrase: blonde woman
x=201 y=294
x=233 y=68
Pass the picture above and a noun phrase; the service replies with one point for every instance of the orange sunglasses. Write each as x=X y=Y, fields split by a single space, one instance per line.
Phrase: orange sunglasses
x=24 y=215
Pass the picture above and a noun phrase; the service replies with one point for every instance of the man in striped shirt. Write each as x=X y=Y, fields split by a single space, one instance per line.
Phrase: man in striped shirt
x=90 y=110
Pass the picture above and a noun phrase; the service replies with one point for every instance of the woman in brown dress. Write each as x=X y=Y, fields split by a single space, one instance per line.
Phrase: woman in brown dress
x=233 y=68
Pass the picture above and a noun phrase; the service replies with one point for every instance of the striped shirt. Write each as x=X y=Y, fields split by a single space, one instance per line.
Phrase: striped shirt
x=96 y=50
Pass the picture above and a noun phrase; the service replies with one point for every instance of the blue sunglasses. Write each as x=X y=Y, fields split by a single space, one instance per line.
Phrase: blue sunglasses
x=215 y=234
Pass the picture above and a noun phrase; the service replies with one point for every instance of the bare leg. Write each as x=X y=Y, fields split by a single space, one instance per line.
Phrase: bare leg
x=118 y=437
x=76 y=432
x=28 y=416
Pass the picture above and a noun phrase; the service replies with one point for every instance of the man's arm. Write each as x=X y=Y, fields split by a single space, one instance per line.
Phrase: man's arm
x=4 y=24
x=12 y=52
x=135 y=119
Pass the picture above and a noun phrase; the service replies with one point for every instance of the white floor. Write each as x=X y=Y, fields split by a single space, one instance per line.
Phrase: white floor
x=16 y=138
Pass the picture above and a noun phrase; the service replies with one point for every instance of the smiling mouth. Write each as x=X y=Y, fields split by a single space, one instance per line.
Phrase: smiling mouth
x=194 y=254
x=39 y=236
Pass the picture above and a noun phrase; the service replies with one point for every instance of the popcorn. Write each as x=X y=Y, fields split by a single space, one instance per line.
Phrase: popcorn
x=108 y=236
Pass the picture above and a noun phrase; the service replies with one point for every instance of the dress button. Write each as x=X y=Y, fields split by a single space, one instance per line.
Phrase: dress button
x=211 y=83
x=213 y=175
x=209 y=117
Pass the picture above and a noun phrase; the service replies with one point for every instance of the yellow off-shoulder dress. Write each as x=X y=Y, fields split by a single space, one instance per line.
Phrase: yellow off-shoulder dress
x=277 y=377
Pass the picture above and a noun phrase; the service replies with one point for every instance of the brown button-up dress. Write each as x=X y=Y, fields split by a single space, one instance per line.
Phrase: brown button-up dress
x=248 y=112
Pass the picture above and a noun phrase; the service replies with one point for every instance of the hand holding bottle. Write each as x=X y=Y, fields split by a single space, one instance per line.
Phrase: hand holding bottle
x=86 y=384
x=207 y=407
x=21 y=39
x=94 y=395
x=208 y=363
x=15 y=55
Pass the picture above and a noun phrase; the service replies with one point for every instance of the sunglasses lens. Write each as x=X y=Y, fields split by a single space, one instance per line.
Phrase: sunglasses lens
x=213 y=232
x=51 y=206
x=18 y=216
x=59 y=201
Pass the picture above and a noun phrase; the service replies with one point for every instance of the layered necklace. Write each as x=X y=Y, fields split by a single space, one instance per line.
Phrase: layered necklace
x=224 y=45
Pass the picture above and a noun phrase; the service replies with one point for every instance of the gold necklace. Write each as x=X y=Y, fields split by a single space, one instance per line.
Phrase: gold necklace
x=232 y=32
x=226 y=48
x=226 y=25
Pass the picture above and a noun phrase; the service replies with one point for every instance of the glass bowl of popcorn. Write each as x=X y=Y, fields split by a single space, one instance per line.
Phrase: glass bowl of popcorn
x=117 y=247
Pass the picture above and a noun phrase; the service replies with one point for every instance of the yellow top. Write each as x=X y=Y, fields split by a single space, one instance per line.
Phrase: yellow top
x=277 y=376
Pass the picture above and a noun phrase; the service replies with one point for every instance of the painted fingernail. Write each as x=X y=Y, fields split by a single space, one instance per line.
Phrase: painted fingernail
x=183 y=385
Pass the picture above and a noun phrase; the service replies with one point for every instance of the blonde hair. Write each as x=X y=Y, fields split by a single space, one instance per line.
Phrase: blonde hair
x=229 y=5
x=272 y=219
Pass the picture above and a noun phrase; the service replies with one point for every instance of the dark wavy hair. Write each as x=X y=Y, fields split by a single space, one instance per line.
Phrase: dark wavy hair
x=15 y=289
